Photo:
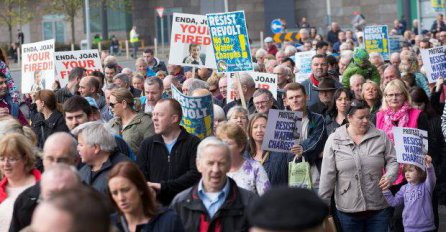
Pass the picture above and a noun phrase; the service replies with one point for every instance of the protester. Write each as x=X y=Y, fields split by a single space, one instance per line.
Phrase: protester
x=216 y=201
x=7 y=104
x=248 y=87
x=57 y=176
x=138 y=82
x=153 y=92
x=337 y=112
x=136 y=203
x=78 y=111
x=167 y=159
x=238 y=115
x=49 y=119
x=64 y=211
x=319 y=71
x=360 y=65
x=96 y=147
x=356 y=82
x=72 y=86
x=417 y=213
x=390 y=73
x=274 y=163
x=263 y=101
x=325 y=89
x=89 y=86
x=372 y=95
x=124 y=81
x=359 y=201
x=313 y=133
x=409 y=64
x=247 y=173
x=289 y=209
x=132 y=125
x=154 y=64
x=17 y=160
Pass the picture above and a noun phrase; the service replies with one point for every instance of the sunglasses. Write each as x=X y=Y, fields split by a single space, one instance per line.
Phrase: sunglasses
x=112 y=105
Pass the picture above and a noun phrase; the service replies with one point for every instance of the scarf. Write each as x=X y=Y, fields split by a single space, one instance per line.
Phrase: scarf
x=314 y=80
x=401 y=116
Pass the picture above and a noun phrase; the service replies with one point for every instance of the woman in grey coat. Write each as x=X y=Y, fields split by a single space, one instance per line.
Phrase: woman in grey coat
x=355 y=156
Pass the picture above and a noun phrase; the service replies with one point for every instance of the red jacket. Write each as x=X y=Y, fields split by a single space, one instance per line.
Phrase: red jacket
x=4 y=182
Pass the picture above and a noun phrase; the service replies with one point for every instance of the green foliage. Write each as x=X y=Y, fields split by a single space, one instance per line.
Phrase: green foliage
x=15 y=12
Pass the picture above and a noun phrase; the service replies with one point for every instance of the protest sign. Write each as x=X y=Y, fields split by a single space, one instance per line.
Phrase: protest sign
x=190 y=43
x=410 y=145
x=434 y=62
x=438 y=5
x=283 y=130
x=303 y=63
x=37 y=66
x=395 y=42
x=66 y=61
x=263 y=80
x=376 y=39
x=230 y=41
x=198 y=113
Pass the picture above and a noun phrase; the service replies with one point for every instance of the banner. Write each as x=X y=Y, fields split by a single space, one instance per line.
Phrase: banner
x=303 y=63
x=198 y=113
x=410 y=145
x=282 y=131
x=438 y=5
x=190 y=43
x=263 y=80
x=65 y=61
x=395 y=43
x=230 y=41
x=376 y=39
x=37 y=66
x=434 y=62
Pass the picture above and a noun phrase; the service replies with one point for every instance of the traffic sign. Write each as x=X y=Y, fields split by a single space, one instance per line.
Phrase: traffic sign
x=160 y=11
x=276 y=26
x=289 y=36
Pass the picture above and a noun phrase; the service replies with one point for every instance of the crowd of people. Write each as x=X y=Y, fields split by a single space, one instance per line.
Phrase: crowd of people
x=107 y=152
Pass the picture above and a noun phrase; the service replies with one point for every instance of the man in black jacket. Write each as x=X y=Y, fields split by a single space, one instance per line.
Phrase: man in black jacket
x=167 y=159
x=216 y=203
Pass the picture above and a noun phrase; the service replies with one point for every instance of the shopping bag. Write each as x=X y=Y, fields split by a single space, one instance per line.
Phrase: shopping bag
x=299 y=174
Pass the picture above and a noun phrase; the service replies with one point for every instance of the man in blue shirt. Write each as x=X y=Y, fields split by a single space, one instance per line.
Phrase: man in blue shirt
x=215 y=203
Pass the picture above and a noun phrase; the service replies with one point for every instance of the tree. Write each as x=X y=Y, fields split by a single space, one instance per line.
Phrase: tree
x=70 y=9
x=104 y=5
x=14 y=12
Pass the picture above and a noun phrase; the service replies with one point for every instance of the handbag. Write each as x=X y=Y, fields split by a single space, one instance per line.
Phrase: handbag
x=299 y=174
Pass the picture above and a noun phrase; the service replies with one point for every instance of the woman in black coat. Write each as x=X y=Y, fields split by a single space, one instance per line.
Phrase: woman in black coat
x=49 y=119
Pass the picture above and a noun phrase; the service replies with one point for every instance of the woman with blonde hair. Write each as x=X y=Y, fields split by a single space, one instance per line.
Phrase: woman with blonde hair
x=409 y=64
x=397 y=111
x=17 y=162
x=132 y=125
x=371 y=93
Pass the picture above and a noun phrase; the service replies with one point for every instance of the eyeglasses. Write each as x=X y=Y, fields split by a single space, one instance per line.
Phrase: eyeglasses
x=11 y=160
x=112 y=105
x=396 y=95
x=3 y=83
x=261 y=103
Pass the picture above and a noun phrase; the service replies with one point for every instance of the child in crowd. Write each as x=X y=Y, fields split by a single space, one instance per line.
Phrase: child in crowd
x=416 y=196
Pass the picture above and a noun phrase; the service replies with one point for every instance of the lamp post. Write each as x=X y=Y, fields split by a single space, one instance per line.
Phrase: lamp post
x=87 y=23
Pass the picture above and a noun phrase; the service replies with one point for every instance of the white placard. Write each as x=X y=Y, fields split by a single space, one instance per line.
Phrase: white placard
x=66 y=61
x=263 y=80
x=434 y=62
x=303 y=63
x=410 y=145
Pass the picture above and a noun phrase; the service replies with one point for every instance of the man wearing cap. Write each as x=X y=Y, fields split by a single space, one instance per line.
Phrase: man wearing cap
x=216 y=203
x=325 y=90
x=319 y=71
x=285 y=209
x=271 y=48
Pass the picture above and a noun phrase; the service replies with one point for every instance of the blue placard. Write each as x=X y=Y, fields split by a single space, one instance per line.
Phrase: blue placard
x=230 y=41
x=198 y=113
x=276 y=26
x=376 y=39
